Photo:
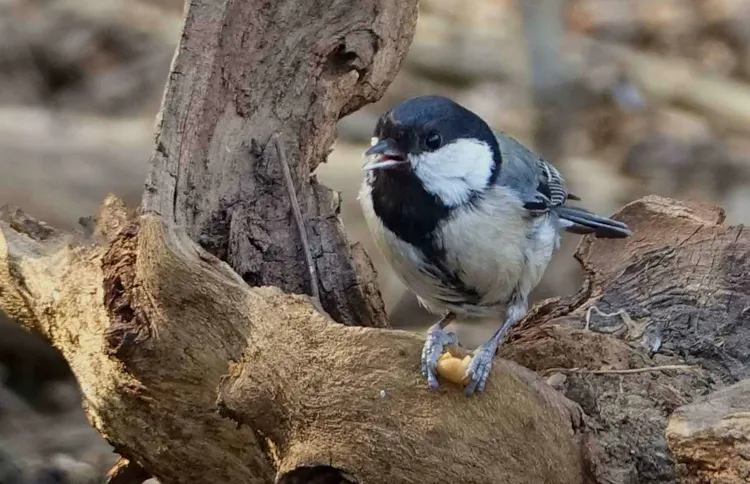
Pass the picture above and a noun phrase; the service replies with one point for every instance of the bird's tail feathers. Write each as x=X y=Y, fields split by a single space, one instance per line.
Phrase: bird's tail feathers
x=580 y=221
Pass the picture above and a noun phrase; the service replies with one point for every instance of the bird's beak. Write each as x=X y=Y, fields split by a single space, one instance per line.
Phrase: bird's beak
x=383 y=155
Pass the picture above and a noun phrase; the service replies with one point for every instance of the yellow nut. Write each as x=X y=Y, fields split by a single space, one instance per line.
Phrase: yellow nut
x=453 y=369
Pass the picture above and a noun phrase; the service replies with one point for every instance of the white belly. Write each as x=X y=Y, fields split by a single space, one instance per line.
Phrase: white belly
x=491 y=246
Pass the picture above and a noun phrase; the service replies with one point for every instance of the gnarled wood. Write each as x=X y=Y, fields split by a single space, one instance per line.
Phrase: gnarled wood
x=196 y=376
x=673 y=294
x=711 y=437
x=163 y=336
x=244 y=72
x=191 y=373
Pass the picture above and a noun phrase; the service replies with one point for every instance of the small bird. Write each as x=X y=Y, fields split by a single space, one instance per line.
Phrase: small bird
x=468 y=219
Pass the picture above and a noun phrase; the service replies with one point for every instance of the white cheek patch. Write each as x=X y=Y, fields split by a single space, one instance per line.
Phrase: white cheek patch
x=456 y=170
x=374 y=140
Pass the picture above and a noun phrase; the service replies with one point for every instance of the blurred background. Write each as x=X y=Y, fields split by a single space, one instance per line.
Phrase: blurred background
x=626 y=97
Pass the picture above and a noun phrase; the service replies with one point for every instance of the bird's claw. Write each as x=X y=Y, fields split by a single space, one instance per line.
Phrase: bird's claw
x=479 y=368
x=436 y=341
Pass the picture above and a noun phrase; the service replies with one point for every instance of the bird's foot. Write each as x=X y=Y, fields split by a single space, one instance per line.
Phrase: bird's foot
x=436 y=341
x=479 y=367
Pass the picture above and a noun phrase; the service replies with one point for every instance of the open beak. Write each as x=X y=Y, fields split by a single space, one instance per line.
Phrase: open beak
x=384 y=155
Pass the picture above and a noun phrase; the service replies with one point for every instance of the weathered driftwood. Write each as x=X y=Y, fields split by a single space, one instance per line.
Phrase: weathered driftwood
x=245 y=72
x=197 y=377
x=710 y=438
x=674 y=296
x=166 y=340
x=198 y=369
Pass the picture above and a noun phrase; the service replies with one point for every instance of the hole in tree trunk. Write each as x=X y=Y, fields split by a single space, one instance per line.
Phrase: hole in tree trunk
x=318 y=474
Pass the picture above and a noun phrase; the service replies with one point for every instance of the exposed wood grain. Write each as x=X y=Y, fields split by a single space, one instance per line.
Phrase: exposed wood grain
x=672 y=295
x=198 y=361
x=199 y=377
x=711 y=437
x=126 y=472
x=246 y=71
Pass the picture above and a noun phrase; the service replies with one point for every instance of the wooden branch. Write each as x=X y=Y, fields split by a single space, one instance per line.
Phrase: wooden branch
x=164 y=336
x=244 y=72
x=629 y=371
x=161 y=335
x=198 y=376
x=300 y=221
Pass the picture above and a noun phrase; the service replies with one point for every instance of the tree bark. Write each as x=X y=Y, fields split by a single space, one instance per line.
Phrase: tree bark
x=710 y=438
x=674 y=294
x=245 y=72
x=201 y=359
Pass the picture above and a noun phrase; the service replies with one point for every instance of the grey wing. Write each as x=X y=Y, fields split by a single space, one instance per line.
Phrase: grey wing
x=540 y=185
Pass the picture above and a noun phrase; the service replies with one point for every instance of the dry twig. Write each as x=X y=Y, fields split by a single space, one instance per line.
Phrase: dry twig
x=628 y=371
x=314 y=289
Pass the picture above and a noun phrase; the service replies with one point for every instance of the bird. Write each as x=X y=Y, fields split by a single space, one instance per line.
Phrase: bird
x=468 y=218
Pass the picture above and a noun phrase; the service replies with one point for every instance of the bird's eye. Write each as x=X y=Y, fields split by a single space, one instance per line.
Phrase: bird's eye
x=433 y=141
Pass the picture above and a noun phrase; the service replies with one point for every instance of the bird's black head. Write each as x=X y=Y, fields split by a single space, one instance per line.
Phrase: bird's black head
x=429 y=155
x=449 y=148
x=427 y=123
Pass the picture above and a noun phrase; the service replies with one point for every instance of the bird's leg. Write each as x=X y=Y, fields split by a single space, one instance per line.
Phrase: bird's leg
x=437 y=340
x=481 y=362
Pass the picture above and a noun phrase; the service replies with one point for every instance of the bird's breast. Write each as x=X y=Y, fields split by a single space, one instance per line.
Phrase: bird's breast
x=486 y=245
x=486 y=251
